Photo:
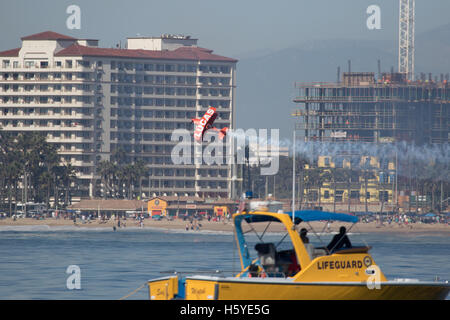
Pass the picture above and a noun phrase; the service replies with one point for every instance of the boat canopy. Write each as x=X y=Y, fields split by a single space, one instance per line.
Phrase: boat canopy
x=304 y=215
x=316 y=215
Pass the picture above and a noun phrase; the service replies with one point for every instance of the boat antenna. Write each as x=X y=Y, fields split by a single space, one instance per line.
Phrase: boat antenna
x=293 y=182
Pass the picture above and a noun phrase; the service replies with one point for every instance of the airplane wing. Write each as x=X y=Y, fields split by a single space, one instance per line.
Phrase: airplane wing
x=204 y=123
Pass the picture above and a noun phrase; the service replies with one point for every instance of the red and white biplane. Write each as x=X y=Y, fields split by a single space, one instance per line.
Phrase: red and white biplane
x=205 y=123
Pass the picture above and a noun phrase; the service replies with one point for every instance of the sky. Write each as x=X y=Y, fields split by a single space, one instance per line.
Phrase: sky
x=232 y=28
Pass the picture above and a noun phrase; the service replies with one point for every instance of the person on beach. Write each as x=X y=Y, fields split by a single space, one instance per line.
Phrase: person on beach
x=339 y=241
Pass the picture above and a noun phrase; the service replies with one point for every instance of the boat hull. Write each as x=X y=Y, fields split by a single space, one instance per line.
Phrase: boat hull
x=222 y=289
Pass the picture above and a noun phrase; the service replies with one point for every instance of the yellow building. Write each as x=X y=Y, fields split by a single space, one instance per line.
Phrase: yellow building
x=157 y=207
x=355 y=180
x=221 y=211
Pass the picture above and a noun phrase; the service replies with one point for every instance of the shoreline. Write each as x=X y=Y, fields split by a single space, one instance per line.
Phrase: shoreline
x=226 y=226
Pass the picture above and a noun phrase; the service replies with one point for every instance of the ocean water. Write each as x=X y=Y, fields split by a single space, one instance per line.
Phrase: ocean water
x=34 y=260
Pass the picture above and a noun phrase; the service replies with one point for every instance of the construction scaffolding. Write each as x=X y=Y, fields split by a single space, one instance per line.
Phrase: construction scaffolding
x=361 y=108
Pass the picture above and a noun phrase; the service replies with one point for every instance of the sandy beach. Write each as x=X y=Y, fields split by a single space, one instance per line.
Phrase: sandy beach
x=371 y=227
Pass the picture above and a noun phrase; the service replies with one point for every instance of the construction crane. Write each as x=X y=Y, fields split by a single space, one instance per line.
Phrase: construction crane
x=406 y=38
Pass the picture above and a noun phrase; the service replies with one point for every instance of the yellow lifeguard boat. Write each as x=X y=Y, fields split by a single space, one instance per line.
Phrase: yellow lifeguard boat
x=299 y=272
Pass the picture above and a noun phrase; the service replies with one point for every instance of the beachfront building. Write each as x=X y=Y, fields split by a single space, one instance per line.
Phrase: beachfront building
x=351 y=183
x=95 y=102
x=164 y=206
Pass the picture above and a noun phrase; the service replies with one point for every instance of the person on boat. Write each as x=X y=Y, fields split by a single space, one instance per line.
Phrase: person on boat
x=253 y=271
x=303 y=233
x=339 y=241
x=308 y=246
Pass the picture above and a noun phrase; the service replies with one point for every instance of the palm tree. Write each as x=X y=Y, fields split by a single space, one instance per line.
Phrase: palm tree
x=140 y=171
x=337 y=174
x=347 y=177
x=107 y=171
x=323 y=176
x=311 y=177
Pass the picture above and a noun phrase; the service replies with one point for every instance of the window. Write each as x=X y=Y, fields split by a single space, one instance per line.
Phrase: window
x=224 y=81
x=383 y=195
x=191 y=68
x=225 y=69
x=338 y=162
x=148 y=90
x=181 y=80
x=190 y=80
x=339 y=195
x=139 y=66
x=354 y=194
x=169 y=67
x=312 y=196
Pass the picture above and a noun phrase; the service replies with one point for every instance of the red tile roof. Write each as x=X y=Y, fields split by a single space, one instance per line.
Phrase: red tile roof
x=10 y=53
x=48 y=35
x=183 y=53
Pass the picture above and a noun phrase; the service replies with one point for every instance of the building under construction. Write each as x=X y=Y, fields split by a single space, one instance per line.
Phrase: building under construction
x=361 y=108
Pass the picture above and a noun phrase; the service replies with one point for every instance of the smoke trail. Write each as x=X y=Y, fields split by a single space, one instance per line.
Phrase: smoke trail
x=430 y=161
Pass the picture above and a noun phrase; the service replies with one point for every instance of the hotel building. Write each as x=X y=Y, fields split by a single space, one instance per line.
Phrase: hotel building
x=92 y=101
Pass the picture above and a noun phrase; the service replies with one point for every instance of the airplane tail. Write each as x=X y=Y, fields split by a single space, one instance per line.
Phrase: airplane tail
x=223 y=133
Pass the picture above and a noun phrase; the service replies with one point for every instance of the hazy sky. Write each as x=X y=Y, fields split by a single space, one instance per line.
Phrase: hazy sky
x=231 y=28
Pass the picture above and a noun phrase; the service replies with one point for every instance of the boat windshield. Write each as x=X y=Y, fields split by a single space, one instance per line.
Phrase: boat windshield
x=267 y=244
